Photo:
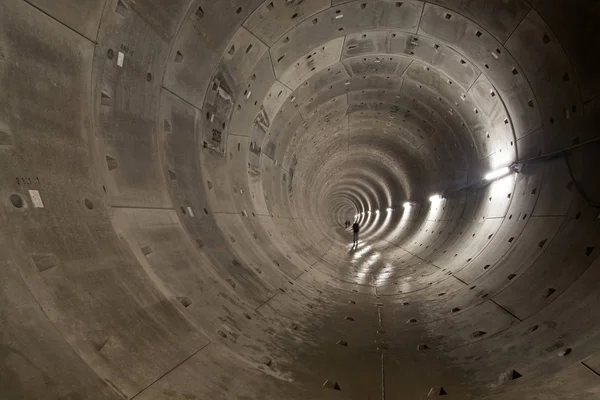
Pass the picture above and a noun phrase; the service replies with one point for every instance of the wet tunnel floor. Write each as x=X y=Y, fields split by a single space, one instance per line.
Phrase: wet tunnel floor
x=396 y=358
x=390 y=364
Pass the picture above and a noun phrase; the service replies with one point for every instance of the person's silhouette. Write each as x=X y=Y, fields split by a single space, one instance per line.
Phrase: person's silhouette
x=355 y=230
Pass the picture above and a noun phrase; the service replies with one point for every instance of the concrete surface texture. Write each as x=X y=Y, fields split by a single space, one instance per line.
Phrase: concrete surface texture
x=176 y=174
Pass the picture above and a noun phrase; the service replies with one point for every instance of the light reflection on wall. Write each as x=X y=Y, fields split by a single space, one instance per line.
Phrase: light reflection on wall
x=402 y=224
x=436 y=205
x=499 y=160
x=502 y=186
x=378 y=229
x=364 y=220
x=370 y=226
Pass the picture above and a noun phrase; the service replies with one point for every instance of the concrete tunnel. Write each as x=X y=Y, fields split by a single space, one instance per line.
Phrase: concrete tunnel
x=175 y=176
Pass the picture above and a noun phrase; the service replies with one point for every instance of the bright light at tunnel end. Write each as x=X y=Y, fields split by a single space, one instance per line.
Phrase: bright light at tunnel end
x=406 y=205
x=435 y=198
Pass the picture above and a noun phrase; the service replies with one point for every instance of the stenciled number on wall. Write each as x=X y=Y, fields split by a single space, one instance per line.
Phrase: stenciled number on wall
x=27 y=181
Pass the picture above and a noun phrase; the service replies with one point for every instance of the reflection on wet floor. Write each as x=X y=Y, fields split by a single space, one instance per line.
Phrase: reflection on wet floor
x=376 y=330
x=375 y=262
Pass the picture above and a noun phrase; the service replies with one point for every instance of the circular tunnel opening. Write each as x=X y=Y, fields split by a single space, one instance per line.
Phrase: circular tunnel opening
x=226 y=145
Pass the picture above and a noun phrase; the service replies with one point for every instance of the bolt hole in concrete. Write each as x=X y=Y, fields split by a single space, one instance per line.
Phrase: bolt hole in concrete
x=565 y=352
x=16 y=201
x=88 y=203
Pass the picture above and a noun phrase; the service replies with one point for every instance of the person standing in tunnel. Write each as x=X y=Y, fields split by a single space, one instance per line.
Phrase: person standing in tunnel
x=355 y=230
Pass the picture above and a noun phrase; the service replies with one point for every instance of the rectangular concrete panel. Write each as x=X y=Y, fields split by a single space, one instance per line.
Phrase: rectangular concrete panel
x=321 y=58
x=274 y=18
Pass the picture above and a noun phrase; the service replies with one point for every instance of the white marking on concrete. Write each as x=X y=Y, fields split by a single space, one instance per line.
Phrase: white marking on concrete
x=189 y=209
x=36 y=199
x=120 y=59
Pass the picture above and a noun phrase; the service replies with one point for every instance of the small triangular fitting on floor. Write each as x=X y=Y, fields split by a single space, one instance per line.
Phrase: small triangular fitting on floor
x=509 y=375
x=477 y=334
x=342 y=343
x=411 y=321
x=437 y=391
x=146 y=250
x=331 y=385
x=121 y=8
x=97 y=338
x=185 y=301
x=514 y=375
x=266 y=361
x=349 y=319
x=44 y=262
x=422 y=347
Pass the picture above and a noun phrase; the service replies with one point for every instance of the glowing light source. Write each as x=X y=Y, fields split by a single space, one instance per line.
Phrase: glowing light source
x=377 y=212
x=435 y=198
x=498 y=173
x=406 y=205
x=369 y=212
x=389 y=209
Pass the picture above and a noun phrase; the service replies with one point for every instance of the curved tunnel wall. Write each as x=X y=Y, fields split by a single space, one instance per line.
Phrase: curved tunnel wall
x=176 y=175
